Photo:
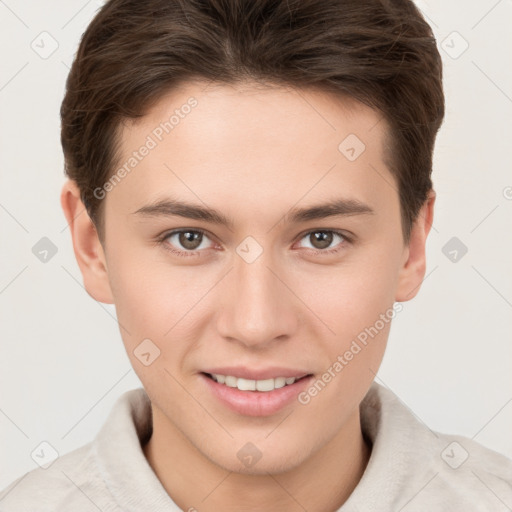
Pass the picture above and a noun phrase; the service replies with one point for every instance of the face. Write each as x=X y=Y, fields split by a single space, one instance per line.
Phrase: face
x=253 y=239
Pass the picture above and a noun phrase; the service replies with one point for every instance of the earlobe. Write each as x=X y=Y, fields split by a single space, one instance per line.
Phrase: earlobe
x=412 y=272
x=86 y=244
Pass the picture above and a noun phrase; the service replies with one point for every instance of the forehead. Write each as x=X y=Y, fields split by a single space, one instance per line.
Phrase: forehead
x=253 y=113
x=260 y=143
x=261 y=108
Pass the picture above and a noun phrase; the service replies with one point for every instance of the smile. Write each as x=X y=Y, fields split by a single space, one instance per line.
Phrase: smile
x=264 y=385
x=255 y=397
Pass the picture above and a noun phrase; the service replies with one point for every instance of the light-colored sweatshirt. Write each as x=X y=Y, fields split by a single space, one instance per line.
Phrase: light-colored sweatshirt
x=411 y=468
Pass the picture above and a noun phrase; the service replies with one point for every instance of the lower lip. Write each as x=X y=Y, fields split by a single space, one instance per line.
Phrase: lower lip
x=256 y=403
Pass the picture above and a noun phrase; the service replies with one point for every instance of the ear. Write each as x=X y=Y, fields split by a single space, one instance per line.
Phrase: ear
x=413 y=270
x=86 y=244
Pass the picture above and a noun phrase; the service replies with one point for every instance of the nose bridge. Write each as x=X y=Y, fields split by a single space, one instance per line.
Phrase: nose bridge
x=256 y=309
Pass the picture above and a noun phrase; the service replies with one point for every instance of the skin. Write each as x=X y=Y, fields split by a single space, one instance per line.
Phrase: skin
x=253 y=153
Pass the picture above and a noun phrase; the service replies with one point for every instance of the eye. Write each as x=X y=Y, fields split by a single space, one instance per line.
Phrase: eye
x=185 y=242
x=192 y=242
x=322 y=239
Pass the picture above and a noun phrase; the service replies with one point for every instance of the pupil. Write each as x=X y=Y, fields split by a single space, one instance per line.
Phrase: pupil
x=188 y=239
x=324 y=240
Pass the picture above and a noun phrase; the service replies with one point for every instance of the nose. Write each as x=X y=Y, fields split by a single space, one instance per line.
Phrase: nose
x=257 y=308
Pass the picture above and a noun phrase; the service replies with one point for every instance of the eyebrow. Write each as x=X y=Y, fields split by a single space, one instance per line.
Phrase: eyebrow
x=173 y=207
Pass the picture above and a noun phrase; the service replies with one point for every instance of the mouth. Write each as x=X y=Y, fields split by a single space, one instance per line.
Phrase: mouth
x=254 y=397
x=261 y=385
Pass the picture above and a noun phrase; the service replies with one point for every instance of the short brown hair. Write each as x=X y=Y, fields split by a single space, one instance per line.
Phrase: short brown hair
x=380 y=52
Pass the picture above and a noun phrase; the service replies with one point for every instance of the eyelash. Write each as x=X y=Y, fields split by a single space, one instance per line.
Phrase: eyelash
x=162 y=241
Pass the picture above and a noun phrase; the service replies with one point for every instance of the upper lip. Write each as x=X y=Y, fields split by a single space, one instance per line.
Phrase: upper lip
x=257 y=374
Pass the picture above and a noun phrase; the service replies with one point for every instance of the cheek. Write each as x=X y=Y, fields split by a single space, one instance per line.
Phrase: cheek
x=359 y=308
x=356 y=301
x=147 y=308
x=148 y=294
x=352 y=296
x=159 y=302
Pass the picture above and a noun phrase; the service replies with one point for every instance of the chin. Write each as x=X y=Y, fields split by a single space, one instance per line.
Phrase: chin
x=249 y=460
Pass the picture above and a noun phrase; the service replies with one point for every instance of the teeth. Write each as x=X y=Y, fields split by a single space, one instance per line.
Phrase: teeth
x=265 y=385
x=230 y=381
x=279 y=382
x=246 y=385
x=253 y=385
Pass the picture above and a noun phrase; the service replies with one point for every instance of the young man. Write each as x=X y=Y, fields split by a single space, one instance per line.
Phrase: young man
x=250 y=186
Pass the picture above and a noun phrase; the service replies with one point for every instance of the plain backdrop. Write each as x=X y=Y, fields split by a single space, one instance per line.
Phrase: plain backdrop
x=449 y=356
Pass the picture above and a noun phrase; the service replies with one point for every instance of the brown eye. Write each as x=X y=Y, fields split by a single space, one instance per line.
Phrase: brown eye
x=185 y=241
x=321 y=239
x=190 y=240
x=324 y=240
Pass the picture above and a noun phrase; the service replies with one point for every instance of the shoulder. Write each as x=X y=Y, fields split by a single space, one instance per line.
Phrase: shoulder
x=469 y=473
x=415 y=468
x=71 y=482
x=94 y=476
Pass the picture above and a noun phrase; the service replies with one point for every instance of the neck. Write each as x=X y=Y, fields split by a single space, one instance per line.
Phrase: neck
x=322 y=482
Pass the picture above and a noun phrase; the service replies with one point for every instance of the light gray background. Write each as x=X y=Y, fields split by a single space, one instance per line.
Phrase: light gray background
x=449 y=358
